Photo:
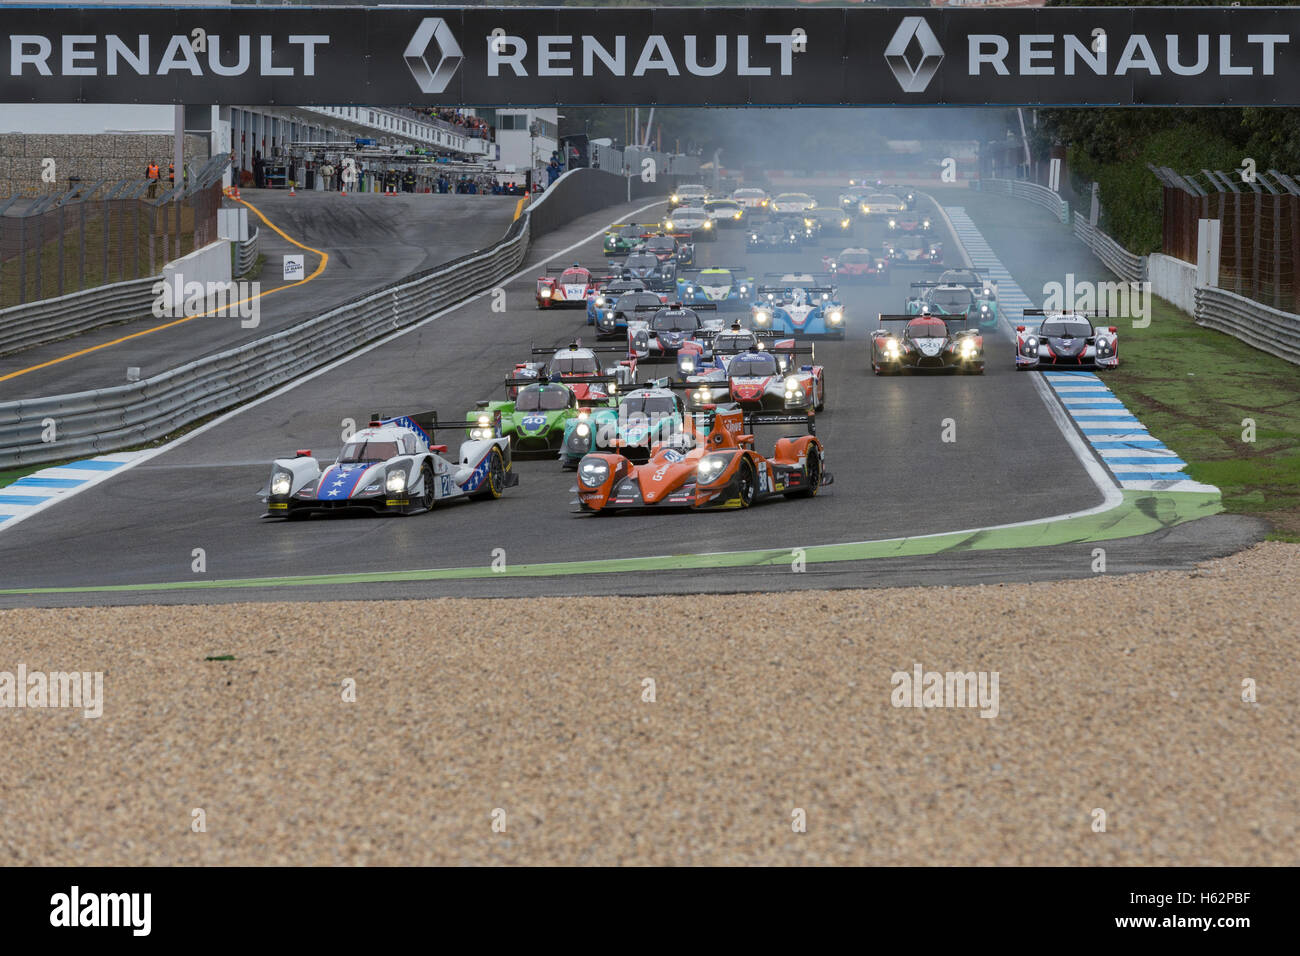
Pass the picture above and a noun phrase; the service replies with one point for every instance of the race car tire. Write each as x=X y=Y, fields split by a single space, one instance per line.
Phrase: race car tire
x=814 y=473
x=494 y=482
x=748 y=483
x=821 y=396
x=427 y=499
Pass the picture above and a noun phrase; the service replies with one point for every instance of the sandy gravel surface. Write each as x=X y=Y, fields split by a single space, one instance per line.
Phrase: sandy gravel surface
x=1119 y=693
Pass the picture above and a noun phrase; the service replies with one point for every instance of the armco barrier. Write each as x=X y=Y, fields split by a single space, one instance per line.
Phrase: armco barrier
x=1267 y=329
x=582 y=191
x=1040 y=195
x=246 y=253
x=36 y=323
x=1115 y=257
x=103 y=420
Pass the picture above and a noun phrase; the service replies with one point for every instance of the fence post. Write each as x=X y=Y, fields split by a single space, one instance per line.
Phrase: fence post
x=62 y=233
x=81 y=248
x=1208 y=237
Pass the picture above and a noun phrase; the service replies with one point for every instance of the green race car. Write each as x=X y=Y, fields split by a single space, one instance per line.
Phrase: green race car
x=536 y=419
x=624 y=237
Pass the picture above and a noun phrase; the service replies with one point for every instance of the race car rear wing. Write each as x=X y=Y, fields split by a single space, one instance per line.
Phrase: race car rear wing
x=957 y=322
x=773 y=289
x=808 y=419
x=733 y=269
x=563 y=380
x=782 y=275
x=1094 y=313
x=590 y=348
x=679 y=307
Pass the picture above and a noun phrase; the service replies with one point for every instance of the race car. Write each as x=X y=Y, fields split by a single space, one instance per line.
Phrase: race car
x=843 y=225
x=906 y=222
x=535 y=419
x=392 y=467
x=775 y=235
x=645 y=415
x=711 y=464
x=667 y=328
x=708 y=354
x=754 y=200
x=801 y=303
x=807 y=225
x=724 y=213
x=851 y=199
x=574 y=285
x=609 y=293
x=664 y=246
x=857 y=265
x=692 y=221
x=691 y=194
x=950 y=298
x=618 y=315
x=793 y=203
x=914 y=251
x=985 y=292
x=726 y=286
x=573 y=361
x=764 y=379
x=1066 y=340
x=948 y=343
x=624 y=237
x=659 y=275
x=878 y=205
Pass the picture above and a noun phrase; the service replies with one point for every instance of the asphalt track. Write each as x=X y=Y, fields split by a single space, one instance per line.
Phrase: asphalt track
x=371 y=240
x=895 y=477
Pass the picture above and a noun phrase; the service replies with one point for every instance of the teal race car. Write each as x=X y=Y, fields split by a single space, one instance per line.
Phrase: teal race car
x=982 y=302
x=537 y=418
x=726 y=286
x=649 y=413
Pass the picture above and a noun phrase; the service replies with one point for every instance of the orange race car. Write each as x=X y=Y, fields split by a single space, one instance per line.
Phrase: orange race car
x=711 y=463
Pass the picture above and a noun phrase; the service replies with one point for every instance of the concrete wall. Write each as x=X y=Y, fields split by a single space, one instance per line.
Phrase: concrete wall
x=92 y=157
x=1173 y=280
x=208 y=264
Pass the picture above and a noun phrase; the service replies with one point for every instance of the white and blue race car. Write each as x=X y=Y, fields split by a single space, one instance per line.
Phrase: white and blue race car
x=726 y=286
x=799 y=303
x=392 y=467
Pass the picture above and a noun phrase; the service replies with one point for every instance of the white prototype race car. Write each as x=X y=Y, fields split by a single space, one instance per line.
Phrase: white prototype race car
x=392 y=467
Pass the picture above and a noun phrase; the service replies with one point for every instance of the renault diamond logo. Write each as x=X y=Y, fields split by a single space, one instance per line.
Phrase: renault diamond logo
x=446 y=55
x=914 y=41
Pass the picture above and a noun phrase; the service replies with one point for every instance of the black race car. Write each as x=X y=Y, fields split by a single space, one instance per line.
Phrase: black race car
x=659 y=275
x=1066 y=340
x=775 y=235
x=613 y=319
x=943 y=342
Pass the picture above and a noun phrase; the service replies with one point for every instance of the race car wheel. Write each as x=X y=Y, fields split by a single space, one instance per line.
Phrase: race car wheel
x=426 y=476
x=813 y=473
x=748 y=483
x=495 y=481
x=821 y=395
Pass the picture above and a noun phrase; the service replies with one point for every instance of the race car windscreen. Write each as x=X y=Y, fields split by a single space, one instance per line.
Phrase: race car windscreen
x=660 y=244
x=960 y=277
x=1065 y=329
x=929 y=329
x=748 y=194
x=651 y=406
x=724 y=205
x=361 y=451
x=752 y=366
x=675 y=322
x=573 y=277
x=715 y=278
x=574 y=365
x=628 y=232
x=856 y=258
x=952 y=300
x=543 y=398
x=640 y=261
x=773 y=228
x=911 y=242
x=629 y=302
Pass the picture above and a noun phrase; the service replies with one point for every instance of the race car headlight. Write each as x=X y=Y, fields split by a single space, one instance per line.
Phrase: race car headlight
x=281 y=482
x=480 y=433
x=845 y=223
x=880 y=264
x=753 y=235
x=687 y=364
x=593 y=472
x=600 y=300
x=984 y=308
x=396 y=481
x=672 y=198
x=668 y=225
x=968 y=348
x=807 y=223
x=762 y=318
x=583 y=429
x=893 y=223
x=834 y=316
x=710 y=468
x=925 y=224
x=865 y=208
x=744 y=289
x=708 y=224
x=891 y=347
x=736 y=216
x=1104 y=346
x=485 y=421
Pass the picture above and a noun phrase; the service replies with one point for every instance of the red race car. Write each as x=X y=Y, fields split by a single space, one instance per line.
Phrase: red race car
x=857 y=265
x=573 y=287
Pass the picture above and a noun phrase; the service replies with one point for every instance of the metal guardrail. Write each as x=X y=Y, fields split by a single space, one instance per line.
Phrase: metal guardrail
x=1115 y=257
x=108 y=419
x=1031 y=191
x=246 y=253
x=37 y=323
x=1267 y=329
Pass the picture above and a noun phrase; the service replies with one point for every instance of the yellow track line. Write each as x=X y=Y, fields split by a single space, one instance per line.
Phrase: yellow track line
x=519 y=207
x=324 y=258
